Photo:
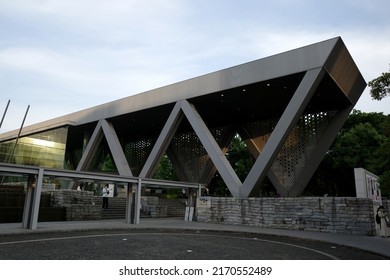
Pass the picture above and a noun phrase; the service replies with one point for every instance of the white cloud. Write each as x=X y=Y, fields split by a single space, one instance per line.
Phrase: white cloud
x=43 y=61
x=95 y=51
x=104 y=21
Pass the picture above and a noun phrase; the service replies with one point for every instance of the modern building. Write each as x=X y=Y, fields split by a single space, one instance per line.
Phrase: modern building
x=287 y=108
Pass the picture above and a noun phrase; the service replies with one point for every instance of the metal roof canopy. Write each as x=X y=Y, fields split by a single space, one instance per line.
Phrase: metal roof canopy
x=238 y=93
x=305 y=94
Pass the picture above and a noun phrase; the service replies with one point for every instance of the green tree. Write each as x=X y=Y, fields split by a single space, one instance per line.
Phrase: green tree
x=358 y=147
x=240 y=157
x=165 y=170
x=362 y=142
x=241 y=161
x=355 y=148
x=380 y=87
x=382 y=167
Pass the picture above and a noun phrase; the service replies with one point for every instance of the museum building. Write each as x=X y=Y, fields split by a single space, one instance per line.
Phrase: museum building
x=287 y=108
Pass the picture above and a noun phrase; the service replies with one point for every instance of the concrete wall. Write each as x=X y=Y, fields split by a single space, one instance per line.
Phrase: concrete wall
x=339 y=215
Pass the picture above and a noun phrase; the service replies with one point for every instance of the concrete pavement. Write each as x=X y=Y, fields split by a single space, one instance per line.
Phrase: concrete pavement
x=375 y=244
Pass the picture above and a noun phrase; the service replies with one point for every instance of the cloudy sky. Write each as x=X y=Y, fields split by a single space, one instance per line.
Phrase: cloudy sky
x=62 y=56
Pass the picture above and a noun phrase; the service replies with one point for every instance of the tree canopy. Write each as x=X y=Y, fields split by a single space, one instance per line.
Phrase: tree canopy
x=362 y=142
x=380 y=87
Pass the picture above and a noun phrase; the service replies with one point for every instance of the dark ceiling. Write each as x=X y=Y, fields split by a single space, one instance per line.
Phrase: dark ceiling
x=259 y=101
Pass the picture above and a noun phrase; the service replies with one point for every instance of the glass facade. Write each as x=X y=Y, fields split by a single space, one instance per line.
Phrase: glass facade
x=45 y=149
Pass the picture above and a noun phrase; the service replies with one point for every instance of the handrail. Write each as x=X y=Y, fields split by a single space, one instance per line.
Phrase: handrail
x=97 y=177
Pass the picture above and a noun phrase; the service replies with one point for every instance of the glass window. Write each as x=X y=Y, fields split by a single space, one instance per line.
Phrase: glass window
x=45 y=149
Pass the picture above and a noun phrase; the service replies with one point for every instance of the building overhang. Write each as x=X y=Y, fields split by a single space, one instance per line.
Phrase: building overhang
x=260 y=89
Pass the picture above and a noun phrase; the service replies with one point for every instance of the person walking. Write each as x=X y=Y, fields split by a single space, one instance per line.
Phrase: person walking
x=383 y=224
x=106 y=192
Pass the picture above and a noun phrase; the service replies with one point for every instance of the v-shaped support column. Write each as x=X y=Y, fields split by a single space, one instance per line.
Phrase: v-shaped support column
x=105 y=129
x=255 y=151
x=286 y=123
x=162 y=142
x=209 y=169
x=214 y=151
x=91 y=148
x=116 y=149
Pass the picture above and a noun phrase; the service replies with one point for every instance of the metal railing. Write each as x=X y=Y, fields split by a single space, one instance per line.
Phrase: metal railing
x=37 y=174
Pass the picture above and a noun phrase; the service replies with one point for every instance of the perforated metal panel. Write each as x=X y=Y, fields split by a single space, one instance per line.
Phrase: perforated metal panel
x=192 y=155
x=297 y=149
x=136 y=154
x=299 y=146
x=260 y=131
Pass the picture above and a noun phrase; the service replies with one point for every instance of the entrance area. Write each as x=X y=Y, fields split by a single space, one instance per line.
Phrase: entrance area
x=26 y=200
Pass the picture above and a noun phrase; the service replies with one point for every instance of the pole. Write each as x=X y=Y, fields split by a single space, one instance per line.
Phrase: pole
x=16 y=141
x=5 y=112
x=19 y=133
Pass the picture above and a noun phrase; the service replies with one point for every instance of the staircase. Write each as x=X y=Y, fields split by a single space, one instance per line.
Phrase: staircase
x=116 y=208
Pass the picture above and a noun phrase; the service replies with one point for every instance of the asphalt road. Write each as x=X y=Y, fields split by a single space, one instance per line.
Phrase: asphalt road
x=170 y=245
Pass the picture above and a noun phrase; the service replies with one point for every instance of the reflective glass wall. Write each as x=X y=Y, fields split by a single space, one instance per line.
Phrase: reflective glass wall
x=45 y=149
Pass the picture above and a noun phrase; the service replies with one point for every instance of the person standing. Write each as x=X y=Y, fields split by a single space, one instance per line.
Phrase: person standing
x=106 y=192
x=383 y=216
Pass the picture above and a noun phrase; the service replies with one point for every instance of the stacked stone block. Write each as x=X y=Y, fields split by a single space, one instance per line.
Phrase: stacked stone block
x=79 y=205
x=386 y=204
x=338 y=215
x=159 y=207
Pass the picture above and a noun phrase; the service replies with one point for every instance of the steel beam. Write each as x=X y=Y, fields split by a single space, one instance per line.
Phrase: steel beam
x=36 y=200
x=116 y=149
x=255 y=152
x=26 y=220
x=130 y=204
x=282 y=130
x=91 y=148
x=137 y=204
x=206 y=138
x=162 y=142
x=209 y=169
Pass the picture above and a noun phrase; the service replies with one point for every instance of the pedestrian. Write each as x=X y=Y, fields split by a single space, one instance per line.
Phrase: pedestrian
x=383 y=224
x=106 y=192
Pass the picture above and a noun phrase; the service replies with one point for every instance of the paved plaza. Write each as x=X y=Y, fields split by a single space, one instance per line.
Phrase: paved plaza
x=177 y=239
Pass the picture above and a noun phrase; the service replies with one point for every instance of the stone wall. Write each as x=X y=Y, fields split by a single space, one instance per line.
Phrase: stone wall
x=159 y=207
x=79 y=205
x=338 y=215
x=386 y=204
x=61 y=197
